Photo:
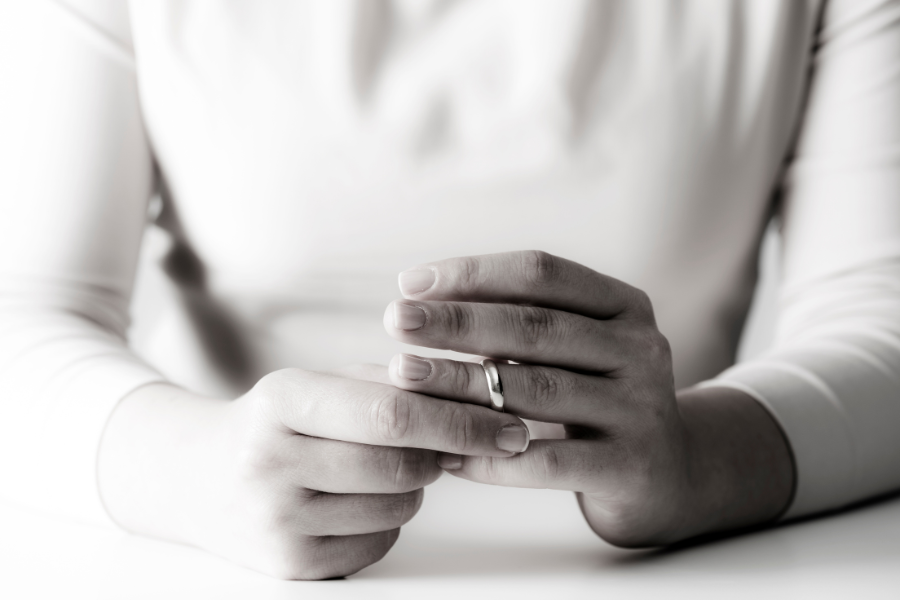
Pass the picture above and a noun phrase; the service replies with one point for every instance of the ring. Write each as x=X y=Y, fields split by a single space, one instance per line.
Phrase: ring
x=494 y=386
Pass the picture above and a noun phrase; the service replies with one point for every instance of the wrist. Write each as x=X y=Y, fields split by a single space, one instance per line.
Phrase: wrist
x=741 y=470
x=158 y=448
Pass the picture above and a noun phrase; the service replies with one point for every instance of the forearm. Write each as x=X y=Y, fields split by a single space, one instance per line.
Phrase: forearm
x=153 y=455
x=742 y=471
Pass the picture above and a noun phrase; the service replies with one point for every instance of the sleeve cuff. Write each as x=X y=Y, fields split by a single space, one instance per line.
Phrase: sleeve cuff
x=56 y=433
x=815 y=425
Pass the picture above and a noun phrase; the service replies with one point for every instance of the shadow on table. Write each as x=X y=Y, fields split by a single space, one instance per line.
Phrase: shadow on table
x=867 y=535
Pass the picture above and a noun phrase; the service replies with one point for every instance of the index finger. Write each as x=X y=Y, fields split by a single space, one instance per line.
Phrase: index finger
x=351 y=410
x=527 y=277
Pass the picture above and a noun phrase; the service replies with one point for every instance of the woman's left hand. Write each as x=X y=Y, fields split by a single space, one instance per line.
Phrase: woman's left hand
x=590 y=357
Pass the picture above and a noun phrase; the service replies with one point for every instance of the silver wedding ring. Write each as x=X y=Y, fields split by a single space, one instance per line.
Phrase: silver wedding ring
x=494 y=386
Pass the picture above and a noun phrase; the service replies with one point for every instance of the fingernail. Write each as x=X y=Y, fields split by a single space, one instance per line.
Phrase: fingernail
x=449 y=462
x=512 y=438
x=408 y=317
x=415 y=281
x=413 y=367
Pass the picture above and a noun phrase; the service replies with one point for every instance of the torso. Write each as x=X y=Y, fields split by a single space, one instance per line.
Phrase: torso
x=311 y=151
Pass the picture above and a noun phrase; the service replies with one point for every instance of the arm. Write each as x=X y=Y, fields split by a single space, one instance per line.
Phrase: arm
x=305 y=476
x=832 y=379
x=76 y=179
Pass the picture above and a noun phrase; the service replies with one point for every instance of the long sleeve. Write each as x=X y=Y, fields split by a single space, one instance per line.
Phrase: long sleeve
x=832 y=378
x=76 y=178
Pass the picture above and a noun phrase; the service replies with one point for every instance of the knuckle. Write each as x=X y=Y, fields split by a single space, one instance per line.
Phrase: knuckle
x=536 y=326
x=275 y=393
x=459 y=378
x=652 y=346
x=546 y=387
x=468 y=274
x=660 y=349
x=460 y=431
x=310 y=513
x=489 y=469
x=268 y=383
x=391 y=416
x=264 y=398
x=410 y=469
x=640 y=344
x=311 y=521
x=541 y=269
x=404 y=507
x=258 y=455
x=548 y=465
x=641 y=304
x=457 y=320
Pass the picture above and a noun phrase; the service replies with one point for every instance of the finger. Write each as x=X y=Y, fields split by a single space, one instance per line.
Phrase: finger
x=337 y=556
x=342 y=467
x=521 y=333
x=573 y=465
x=528 y=277
x=350 y=410
x=363 y=372
x=529 y=391
x=351 y=514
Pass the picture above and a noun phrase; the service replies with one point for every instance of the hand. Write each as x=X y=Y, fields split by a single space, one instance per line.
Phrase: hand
x=646 y=465
x=307 y=476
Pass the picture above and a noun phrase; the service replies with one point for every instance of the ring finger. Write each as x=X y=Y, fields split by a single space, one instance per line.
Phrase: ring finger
x=530 y=391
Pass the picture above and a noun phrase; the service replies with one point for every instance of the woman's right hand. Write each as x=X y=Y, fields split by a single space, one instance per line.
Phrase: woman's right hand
x=307 y=476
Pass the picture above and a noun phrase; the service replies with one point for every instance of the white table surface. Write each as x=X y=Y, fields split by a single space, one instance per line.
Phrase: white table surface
x=535 y=545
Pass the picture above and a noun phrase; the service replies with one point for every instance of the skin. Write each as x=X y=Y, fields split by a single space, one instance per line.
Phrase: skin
x=650 y=465
x=307 y=476
x=311 y=475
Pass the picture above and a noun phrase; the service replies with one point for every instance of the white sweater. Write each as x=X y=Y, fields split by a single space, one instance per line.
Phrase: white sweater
x=305 y=152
